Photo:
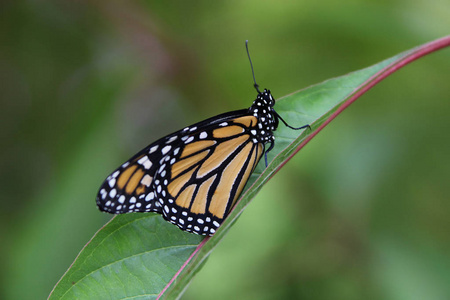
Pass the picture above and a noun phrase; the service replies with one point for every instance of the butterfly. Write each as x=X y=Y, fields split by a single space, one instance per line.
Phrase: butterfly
x=194 y=176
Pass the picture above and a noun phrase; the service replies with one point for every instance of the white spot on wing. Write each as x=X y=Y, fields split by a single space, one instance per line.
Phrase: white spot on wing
x=112 y=182
x=166 y=149
x=172 y=139
x=149 y=196
x=146 y=180
x=112 y=193
x=145 y=162
x=153 y=149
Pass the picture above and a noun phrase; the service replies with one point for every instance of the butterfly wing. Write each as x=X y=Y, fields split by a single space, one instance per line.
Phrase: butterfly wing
x=192 y=177
x=129 y=187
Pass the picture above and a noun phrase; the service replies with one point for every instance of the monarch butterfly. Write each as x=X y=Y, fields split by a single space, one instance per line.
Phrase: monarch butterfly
x=194 y=176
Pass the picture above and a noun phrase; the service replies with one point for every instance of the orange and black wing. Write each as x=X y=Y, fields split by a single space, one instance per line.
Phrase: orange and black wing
x=192 y=177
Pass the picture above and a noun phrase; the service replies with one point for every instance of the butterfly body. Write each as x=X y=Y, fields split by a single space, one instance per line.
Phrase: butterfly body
x=194 y=176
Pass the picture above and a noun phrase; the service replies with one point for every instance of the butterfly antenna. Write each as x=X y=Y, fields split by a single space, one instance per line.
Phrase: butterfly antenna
x=251 y=65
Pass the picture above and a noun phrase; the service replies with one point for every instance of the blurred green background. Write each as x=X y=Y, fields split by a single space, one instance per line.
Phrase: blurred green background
x=362 y=212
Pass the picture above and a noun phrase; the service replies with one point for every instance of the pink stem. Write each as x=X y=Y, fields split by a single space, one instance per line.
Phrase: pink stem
x=183 y=267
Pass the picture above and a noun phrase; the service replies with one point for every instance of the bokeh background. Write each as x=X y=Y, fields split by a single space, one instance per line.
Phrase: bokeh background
x=362 y=212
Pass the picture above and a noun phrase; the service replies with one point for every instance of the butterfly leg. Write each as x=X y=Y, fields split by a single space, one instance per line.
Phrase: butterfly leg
x=272 y=143
x=285 y=123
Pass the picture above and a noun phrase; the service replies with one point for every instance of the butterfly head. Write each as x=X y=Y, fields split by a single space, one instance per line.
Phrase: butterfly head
x=265 y=98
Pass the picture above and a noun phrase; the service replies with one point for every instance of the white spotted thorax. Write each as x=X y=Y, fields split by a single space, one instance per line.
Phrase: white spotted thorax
x=262 y=108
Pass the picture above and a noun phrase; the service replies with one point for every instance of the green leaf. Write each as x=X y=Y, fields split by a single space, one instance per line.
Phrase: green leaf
x=140 y=256
x=134 y=255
